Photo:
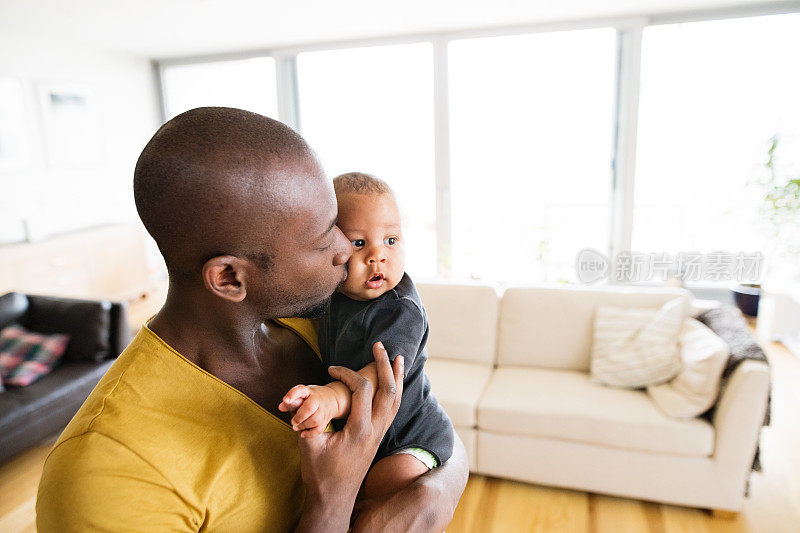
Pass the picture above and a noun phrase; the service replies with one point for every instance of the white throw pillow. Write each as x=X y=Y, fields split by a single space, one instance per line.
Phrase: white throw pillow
x=633 y=348
x=696 y=387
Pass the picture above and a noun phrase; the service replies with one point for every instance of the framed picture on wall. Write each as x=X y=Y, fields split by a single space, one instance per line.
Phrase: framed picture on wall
x=14 y=134
x=15 y=159
x=71 y=125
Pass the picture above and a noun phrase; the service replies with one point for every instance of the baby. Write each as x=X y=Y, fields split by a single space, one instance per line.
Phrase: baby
x=377 y=302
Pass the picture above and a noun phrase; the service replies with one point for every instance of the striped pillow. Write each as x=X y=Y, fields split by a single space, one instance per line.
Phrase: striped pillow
x=634 y=348
x=26 y=356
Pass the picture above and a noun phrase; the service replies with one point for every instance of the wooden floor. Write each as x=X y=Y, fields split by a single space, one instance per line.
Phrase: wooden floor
x=497 y=505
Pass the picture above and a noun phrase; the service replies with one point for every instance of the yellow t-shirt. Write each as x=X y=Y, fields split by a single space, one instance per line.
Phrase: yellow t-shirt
x=162 y=445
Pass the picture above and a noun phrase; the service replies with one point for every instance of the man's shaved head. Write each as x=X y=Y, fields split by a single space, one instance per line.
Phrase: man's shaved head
x=215 y=181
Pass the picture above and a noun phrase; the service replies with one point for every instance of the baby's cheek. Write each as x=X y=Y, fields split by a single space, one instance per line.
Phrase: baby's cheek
x=397 y=271
x=354 y=264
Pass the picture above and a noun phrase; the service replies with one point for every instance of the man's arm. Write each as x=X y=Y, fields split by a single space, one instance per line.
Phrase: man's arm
x=334 y=464
x=426 y=505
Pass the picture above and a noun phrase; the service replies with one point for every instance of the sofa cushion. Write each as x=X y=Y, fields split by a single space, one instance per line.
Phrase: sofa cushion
x=633 y=348
x=565 y=404
x=10 y=359
x=458 y=386
x=463 y=320
x=35 y=353
x=551 y=327
x=696 y=387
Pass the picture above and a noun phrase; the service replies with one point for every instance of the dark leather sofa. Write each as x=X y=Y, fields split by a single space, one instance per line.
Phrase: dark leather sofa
x=98 y=333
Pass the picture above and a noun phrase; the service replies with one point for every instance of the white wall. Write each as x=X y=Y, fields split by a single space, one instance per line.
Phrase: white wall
x=56 y=197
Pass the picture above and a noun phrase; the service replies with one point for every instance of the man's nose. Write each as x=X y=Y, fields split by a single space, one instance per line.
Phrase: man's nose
x=346 y=248
x=341 y=258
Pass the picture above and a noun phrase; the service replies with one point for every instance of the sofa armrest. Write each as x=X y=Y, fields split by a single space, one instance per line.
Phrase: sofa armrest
x=739 y=416
x=13 y=307
x=120 y=334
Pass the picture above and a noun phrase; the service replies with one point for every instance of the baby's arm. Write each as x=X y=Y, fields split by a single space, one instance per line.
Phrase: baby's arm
x=317 y=405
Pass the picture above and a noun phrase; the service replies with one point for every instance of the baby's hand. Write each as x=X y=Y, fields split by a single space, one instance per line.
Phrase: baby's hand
x=315 y=405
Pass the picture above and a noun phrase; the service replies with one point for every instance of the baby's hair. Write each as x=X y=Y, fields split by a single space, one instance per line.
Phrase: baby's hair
x=360 y=183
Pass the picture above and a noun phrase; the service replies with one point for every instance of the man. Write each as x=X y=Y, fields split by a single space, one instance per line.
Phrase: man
x=184 y=433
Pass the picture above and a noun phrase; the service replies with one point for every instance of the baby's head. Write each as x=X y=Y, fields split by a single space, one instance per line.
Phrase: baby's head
x=370 y=218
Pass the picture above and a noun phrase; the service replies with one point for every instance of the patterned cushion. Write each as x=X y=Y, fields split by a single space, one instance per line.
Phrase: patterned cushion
x=10 y=358
x=26 y=356
x=633 y=348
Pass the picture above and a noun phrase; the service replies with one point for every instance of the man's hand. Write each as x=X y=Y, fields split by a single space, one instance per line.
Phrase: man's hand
x=333 y=465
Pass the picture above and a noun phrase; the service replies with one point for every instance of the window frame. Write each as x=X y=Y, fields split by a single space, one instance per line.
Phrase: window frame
x=626 y=107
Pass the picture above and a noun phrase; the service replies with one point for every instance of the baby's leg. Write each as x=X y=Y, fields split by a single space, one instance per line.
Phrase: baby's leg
x=392 y=474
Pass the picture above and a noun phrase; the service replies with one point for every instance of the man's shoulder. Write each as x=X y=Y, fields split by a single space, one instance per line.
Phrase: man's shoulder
x=94 y=407
x=89 y=477
x=152 y=395
x=90 y=449
x=158 y=422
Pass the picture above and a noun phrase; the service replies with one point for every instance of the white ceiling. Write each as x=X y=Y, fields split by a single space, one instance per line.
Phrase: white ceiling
x=167 y=28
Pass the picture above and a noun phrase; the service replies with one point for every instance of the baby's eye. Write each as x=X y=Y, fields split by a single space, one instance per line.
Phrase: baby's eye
x=389 y=241
x=358 y=243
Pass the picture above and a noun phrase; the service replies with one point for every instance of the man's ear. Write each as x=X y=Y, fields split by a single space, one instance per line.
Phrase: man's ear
x=224 y=275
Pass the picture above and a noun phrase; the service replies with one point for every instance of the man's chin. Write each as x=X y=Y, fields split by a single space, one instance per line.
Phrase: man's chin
x=314 y=311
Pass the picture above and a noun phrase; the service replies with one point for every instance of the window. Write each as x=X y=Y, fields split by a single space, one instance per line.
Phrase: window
x=712 y=95
x=371 y=110
x=247 y=84
x=531 y=128
x=531 y=137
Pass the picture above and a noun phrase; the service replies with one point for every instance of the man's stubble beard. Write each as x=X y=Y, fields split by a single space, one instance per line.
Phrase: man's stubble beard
x=315 y=311
x=318 y=310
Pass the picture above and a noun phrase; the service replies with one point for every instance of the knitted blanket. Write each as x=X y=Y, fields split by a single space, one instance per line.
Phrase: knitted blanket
x=729 y=323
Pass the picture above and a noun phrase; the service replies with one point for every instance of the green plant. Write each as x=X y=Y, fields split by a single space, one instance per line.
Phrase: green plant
x=781 y=194
x=780 y=200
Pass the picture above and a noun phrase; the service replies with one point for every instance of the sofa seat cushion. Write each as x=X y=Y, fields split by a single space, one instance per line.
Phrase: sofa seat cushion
x=458 y=386
x=68 y=385
x=565 y=404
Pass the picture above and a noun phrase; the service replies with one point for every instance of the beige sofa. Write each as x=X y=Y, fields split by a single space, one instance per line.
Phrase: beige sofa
x=512 y=371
